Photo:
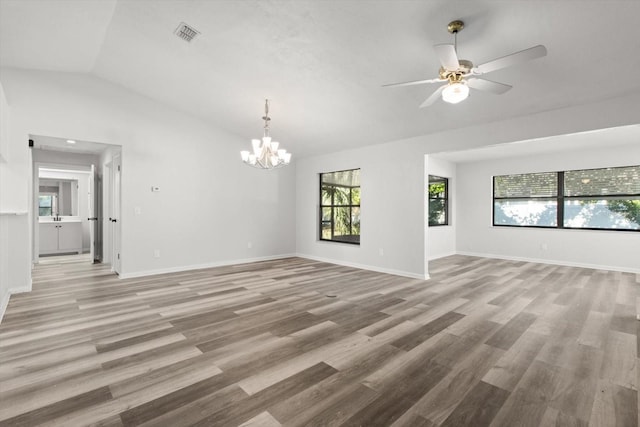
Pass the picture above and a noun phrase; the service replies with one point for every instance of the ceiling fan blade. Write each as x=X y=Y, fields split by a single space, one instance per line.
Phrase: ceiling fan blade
x=433 y=98
x=414 y=82
x=488 y=86
x=447 y=56
x=513 y=59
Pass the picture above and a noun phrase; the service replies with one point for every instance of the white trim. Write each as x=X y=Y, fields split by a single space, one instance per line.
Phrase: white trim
x=201 y=266
x=5 y=299
x=366 y=267
x=4 y=303
x=552 y=262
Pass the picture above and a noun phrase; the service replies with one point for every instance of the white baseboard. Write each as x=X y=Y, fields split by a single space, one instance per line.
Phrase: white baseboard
x=366 y=267
x=201 y=266
x=4 y=302
x=5 y=298
x=552 y=262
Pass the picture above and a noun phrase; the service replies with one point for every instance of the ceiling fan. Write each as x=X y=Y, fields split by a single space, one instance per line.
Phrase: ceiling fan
x=460 y=74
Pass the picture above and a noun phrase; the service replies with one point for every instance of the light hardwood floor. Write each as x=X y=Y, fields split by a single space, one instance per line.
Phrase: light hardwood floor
x=299 y=342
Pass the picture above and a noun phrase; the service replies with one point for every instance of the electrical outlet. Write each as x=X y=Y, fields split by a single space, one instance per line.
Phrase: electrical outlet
x=381 y=252
x=156 y=253
x=249 y=245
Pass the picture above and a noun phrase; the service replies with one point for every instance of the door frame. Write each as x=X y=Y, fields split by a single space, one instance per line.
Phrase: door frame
x=36 y=208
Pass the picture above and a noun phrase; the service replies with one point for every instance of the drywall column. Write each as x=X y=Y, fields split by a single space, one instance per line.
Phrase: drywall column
x=15 y=271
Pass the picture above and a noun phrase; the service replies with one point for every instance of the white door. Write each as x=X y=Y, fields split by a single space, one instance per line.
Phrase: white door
x=92 y=213
x=115 y=219
x=105 y=217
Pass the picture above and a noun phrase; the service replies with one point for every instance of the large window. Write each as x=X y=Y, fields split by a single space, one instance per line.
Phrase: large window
x=438 y=200
x=594 y=199
x=340 y=206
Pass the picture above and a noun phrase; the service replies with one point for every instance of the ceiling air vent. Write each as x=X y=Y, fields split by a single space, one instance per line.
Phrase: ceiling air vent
x=186 y=32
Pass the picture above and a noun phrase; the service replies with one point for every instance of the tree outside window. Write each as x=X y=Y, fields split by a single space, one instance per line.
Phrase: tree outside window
x=46 y=204
x=438 y=200
x=592 y=199
x=340 y=206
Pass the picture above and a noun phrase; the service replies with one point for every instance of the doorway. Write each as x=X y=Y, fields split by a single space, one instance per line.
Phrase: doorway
x=63 y=195
x=73 y=191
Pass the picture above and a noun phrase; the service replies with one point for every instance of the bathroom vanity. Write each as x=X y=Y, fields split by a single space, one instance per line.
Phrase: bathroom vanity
x=64 y=236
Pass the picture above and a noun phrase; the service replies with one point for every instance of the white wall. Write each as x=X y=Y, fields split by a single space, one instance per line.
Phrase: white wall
x=4 y=220
x=392 y=203
x=15 y=273
x=614 y=250
x=210 y=204
x=4 y=129
x=441 y=240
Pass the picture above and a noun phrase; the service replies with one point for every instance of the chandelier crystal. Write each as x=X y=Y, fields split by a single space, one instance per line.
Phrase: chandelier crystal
x=266 y=153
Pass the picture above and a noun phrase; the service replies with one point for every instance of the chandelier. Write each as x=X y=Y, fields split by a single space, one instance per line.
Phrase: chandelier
x=266 y=154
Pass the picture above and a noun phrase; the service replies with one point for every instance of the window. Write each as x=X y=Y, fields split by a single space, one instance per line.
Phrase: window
x=340 y=206
x=438 y=200
x=46 y=204
x=526 y=200
x=594 y=199
x=602 y=198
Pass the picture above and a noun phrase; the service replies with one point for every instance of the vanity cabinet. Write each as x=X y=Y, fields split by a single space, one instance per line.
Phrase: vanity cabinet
x=60 y=237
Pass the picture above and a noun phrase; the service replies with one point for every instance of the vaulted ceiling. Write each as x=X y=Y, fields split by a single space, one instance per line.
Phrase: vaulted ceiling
x=322 y=63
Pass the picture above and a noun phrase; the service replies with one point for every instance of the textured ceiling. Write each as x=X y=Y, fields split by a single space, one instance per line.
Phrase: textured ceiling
x=322 y=63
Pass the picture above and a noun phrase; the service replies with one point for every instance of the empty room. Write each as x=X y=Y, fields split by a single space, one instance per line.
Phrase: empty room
x=319 y=213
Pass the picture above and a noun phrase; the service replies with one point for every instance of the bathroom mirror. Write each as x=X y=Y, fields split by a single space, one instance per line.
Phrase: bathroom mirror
x=58 y=197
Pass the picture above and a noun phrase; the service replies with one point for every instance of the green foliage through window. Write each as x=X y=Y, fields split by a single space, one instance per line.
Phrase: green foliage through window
x=45 y=205
x=595 y=199
x=438 y=200
x=340 y=206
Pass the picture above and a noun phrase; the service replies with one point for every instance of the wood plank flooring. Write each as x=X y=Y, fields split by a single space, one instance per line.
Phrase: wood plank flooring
x=296 y=342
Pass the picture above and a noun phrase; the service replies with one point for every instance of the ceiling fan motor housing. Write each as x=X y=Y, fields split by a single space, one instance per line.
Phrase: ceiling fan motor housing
x=464 y=69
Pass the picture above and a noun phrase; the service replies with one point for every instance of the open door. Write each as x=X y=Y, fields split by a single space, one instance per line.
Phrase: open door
x=115 y=212
x=93 y=219
x=95 y=215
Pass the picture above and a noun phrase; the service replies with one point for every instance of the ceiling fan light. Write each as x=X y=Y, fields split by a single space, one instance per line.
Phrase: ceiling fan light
x=455 y=92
